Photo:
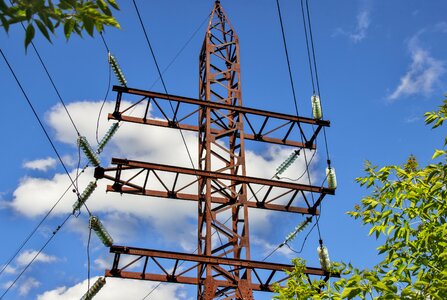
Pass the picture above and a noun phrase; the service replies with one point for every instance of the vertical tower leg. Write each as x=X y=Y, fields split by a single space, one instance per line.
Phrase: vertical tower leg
x=222 y=230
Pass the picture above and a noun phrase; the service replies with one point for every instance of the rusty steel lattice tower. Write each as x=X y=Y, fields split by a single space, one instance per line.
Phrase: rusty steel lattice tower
x=222 y=149
x=222 y=268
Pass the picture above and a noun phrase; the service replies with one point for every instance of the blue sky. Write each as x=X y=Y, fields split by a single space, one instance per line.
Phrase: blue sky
x=381 y=64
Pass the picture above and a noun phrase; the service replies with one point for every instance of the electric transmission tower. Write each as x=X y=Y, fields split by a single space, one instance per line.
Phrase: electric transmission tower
x=222 y=267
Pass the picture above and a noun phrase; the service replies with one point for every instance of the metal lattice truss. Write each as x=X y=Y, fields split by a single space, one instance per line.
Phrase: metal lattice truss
x=175 y=267
x=222 y=265
x=263 y=126
x=164 y=181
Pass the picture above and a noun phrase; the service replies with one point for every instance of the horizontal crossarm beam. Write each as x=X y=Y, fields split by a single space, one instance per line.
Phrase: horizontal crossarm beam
x=138 y=178
x=276 y=127
x=215 y=200
x=188 y=264
x=214 y=175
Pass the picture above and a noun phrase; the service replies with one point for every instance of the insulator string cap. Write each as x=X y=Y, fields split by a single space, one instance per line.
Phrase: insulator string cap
x=316 y=107
x=100 y=231
x=323 y=255
x=88 y=151
x=84 y=196
x=112 y=130
x=117 y=70
x=94 y=289
x=287 y=163
x=300 y=227
x=331 y=178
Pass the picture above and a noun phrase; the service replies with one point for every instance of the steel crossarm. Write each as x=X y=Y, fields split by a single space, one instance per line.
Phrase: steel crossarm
x=265 y=126
x=134 y=177
x=176 y=267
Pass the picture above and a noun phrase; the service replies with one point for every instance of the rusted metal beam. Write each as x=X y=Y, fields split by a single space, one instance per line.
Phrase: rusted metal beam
x=215 y=200
x=212 y=260
x=133 y=164
x=264 y=271
x=217 y=105
x=195 y=128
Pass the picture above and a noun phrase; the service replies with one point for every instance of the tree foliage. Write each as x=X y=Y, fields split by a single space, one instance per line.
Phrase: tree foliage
x=407 y=210
x=75 y=16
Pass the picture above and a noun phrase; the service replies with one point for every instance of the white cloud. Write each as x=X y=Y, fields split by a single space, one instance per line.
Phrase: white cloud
x=41 y=164
x=9 y=270
x=34 y=196
x=268 y=248
x=363 y=22
x=441 y=26
x=25 y=257
x=359 y=33
x=423 y=73
x=117 y=289
x=28 y=284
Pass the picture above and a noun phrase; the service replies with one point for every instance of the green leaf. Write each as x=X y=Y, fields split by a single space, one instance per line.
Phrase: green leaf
x=438 y=153
x=5 y=23
x=89 y=25
x=113 y=4
x=43 y=29
x=104 y=7
x=68 y=28
x=350 y=292
x=29 y=35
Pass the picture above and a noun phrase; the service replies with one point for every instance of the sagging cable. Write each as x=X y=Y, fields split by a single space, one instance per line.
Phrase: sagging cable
x=117 y=70
x=323 y=255
x=100 y=231
x=84 y=196
x=317 y=112
x=94 y=289
x=331 y=178
x=112 y=130
x=88 y=151
x=300 y=227
x=287 y=163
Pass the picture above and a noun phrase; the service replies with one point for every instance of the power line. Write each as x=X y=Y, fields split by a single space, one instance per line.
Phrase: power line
x=34 y=230
x=307 y=46
x=316 y=74
x=36 y=255
x=287 y=57
x=161 y=77
x=294 y=97
x=51 y=79
x=172 y=108
x=37 y=117
x=103 y=102
x=73 y=182
x=53 y=84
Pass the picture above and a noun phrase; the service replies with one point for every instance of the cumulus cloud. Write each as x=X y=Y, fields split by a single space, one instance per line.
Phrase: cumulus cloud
x=359 y=33
x=117 y=289
x=9 y=270
x=423 y=74
x=441 y=26
x=25 y=257
x=40 y=164
x=27 y=285
x=34 y=196
x=268 y=248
